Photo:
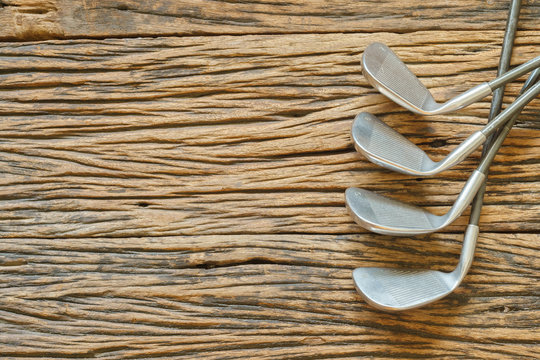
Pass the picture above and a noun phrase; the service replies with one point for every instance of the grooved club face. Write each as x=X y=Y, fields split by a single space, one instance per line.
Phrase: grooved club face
x=387 y=73
x=400 y=289
x=387 y=216
x=384 y=146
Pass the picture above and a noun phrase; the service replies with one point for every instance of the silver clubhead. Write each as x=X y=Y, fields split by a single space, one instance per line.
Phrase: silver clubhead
x=386 y=147
x=401 y=289
x=385 y=71
x=387 y=216
x=393 y=289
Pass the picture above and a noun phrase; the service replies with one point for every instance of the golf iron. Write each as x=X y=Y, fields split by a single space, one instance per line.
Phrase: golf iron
x=386 y=147
x=394 y=289
x=387 y=216
x=390 y=76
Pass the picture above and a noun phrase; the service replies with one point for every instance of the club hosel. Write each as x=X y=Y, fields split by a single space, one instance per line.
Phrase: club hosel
x=467 y=252
x=470 y=96
x=461 y=152
x=465 y=197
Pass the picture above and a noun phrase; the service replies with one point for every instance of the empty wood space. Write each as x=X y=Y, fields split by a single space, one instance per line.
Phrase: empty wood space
x=172 y=178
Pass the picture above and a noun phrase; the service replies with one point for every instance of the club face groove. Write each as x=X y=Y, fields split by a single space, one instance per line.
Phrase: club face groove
x=387 y=216
x=384 y=146
x=387 y=73
x=401 y=289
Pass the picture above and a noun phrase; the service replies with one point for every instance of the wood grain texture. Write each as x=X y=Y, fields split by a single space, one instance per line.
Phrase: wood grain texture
x=56 y=19
x=264 y=296
x=182 y=197
x=212 y=136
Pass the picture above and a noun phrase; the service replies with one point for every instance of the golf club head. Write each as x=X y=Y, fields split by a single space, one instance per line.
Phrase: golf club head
x=386 y=147
x=399 y=289
x=387 y=216
x=394 y=289
x=385 y=71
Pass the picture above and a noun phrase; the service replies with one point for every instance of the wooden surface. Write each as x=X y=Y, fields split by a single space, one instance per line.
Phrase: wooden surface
x=172 y=177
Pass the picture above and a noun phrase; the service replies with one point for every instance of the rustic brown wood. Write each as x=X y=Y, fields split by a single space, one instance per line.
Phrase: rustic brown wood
x=259 y=296
x=182 y=197
x=251 y=141
x=57 y=19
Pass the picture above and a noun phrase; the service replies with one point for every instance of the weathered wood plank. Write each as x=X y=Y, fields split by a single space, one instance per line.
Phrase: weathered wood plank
x=268 y=213
x=54 y=19
x=218 y=135
x=264 y=296
x=113 y=151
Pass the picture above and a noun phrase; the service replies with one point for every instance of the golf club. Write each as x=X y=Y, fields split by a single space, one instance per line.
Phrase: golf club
x=386 y=147
x=387 y=216
x=394 y=289
x=390 y=76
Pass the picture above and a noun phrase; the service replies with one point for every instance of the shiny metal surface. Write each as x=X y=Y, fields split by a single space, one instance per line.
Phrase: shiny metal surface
x=386 y=147
x=389 y=289
x=387 y=216
x=390 y=76
x=385 y=71
x=401 y=289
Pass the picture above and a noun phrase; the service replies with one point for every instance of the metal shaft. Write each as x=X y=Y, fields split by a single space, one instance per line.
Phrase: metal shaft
x=515 y=73
x=496 y=102
x=490 y=154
